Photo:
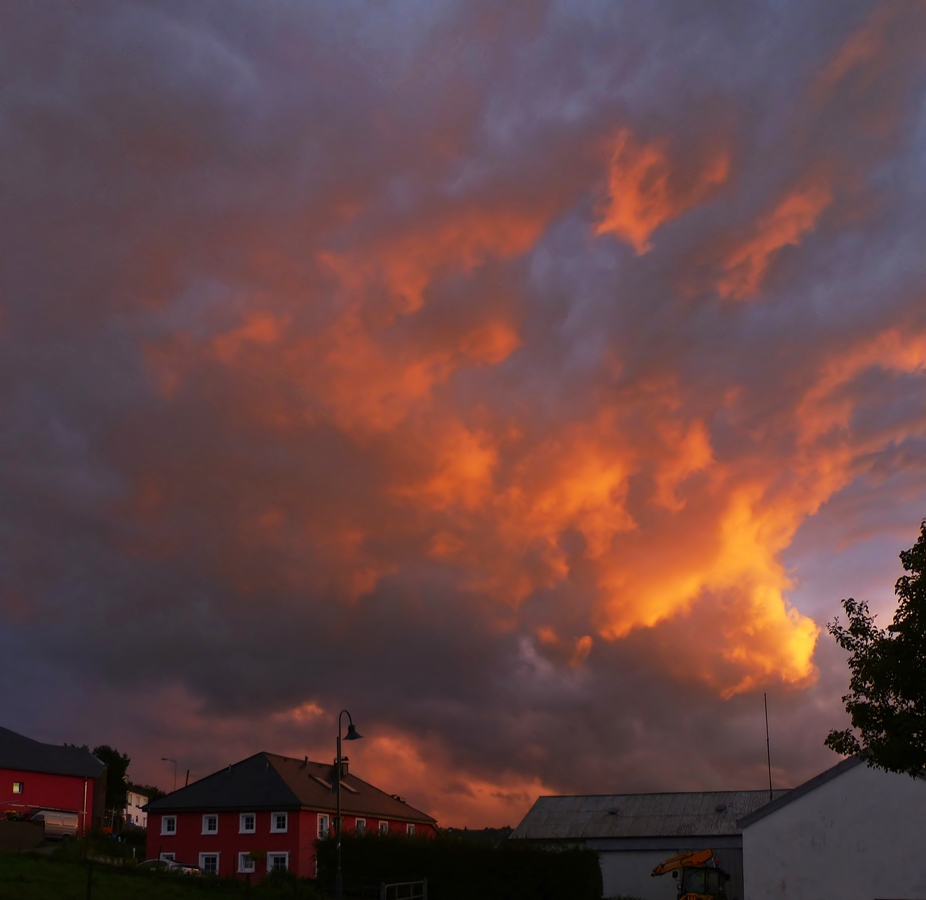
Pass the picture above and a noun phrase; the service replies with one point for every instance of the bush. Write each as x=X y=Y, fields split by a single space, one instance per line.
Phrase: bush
x=457 y=869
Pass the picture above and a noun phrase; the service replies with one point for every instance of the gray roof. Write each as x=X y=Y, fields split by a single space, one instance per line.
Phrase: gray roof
x=267 y=781
x=639 y=815
x=19 y=752
x=800 y=790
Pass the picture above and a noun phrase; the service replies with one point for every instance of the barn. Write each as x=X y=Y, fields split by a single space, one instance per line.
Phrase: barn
x=634 y=832
x=852 y=832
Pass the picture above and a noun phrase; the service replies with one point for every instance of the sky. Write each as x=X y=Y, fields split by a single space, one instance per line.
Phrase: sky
x=532 y=379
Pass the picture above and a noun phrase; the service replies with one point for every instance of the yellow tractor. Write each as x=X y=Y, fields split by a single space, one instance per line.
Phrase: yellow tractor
x=699 y=875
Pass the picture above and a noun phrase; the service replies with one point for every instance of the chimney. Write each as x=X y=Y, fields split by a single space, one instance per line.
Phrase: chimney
x=344 y=765
x=305 y=762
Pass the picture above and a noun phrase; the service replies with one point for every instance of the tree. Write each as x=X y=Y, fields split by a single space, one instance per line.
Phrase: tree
x=117 y=765
x=887 y=689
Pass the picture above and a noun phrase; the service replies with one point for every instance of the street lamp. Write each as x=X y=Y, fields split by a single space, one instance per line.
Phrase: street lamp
x=168 y=759
x=352 y=735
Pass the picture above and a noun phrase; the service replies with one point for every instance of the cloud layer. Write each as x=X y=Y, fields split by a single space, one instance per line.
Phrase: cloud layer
x=524 y=377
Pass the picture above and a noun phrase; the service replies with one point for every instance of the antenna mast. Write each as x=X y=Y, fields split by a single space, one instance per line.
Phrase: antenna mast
x=768 y=749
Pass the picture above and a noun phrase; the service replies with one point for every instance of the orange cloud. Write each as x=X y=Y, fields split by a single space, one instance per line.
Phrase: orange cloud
x=746 y=265
x=645 y=189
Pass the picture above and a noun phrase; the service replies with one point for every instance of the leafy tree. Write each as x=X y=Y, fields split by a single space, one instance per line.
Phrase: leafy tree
x=148 y=790
x=117 y=765
x=887 y=689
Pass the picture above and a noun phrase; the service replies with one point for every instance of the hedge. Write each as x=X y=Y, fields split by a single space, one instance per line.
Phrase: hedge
x=458 y=869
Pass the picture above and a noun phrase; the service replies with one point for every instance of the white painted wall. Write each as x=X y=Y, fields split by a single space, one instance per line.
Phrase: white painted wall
x=859 y=836
x=133 y=814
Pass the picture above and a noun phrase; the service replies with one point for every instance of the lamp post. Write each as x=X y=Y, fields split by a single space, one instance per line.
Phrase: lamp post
x=168 y=759
x=352 y=735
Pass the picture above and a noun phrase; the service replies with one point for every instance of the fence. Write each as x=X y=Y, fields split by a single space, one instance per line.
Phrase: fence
x=404 y=890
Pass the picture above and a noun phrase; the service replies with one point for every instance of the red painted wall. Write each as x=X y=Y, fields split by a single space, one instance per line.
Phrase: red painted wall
x=299 y=840
x=44 y=791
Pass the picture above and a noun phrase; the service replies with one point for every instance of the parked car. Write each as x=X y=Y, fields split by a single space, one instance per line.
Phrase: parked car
x=58 y=825
x=170 y=865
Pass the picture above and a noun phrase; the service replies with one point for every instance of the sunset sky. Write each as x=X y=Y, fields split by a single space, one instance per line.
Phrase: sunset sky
x=532 y=379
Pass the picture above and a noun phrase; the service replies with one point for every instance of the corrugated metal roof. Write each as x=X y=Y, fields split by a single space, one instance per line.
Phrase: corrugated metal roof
x=639 y=815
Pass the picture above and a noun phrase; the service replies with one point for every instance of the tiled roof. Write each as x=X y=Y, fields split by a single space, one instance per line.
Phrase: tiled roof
x=705 y=813
x=270 y=781
x=19 y=752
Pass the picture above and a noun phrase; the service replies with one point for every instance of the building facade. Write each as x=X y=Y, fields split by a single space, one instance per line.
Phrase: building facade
x=853 y=832
x=266 y=812
x=633 y=833
x=35 y=776
x=135 y=815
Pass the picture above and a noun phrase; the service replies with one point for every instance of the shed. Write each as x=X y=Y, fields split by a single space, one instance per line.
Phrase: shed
x=634 y=832
x=852 y=832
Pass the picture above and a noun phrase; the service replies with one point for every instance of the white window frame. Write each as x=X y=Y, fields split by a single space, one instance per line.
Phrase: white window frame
x=19 y=787
x=211 y=816
x=164 y=829
x=358 y=823
x=218 y=860
x=409 y=829
x=273 y=823
x=168 y=857
x=245 y=863
x=277 y=853
x=383 y=830
x=323 y=832
x=242 y=829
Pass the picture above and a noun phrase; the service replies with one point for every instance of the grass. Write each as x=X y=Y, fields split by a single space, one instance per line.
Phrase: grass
x=31 y=876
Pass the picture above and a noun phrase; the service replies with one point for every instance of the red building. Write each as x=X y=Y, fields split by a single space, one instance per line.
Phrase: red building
x=273 y=804
x=34 y=776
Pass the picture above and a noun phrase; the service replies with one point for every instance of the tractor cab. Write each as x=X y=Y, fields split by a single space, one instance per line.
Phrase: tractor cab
x=702 y=883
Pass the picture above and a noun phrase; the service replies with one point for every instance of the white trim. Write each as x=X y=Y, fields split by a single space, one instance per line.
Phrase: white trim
x=242 y=829
x=273 y=823
x=410 y=829
x=164 y=829
x=357 y=827
x=243 y=858
x=202 y=856
x=322 y=832
x=171 y=856
x=277 y=853
x=211 y=816
x=381 y=829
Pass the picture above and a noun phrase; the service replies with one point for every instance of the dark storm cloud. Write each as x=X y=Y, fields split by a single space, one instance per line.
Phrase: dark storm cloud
x=477 y=366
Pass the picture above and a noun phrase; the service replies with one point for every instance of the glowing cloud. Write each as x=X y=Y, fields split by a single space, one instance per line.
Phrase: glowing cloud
x=645 y=189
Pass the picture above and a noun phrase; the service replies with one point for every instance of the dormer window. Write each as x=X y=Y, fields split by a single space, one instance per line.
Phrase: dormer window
x=210 y=823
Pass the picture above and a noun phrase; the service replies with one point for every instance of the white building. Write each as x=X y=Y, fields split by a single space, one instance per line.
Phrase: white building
x=633 y=833
x=133 y=814
x=852 y=833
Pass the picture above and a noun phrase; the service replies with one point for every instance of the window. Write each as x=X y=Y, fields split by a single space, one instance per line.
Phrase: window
x=17 y=787
x=324 y=824
x=168 y=856
x=361 y=826
x=210 y=824
x=168 y=824
x=209 y=863
x=384 y=828
x=410 y=829
x=247 y=823
x=245 y=863
x=278 y=822
x=277 y=862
